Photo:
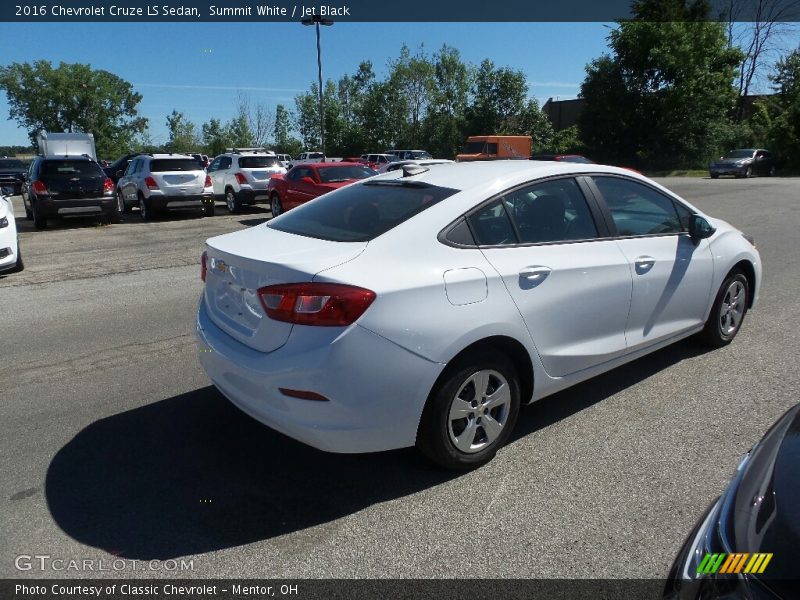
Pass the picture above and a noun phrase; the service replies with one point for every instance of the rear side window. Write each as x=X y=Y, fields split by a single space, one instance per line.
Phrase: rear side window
x=160 y=165
x=257 y=162
x=80 y=168
x=638 y=209
x=360 y=213
x=491 y=225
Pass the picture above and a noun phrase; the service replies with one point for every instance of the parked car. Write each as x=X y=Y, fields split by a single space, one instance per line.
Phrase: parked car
x=394 y=166
x=202 y=159
x=424 y=306
x=67 y=186
x=409 y=154
x=10 y=255
x=376 y=161
x=241 y=177
x=156 y=182
x=746 y=544
x=744 y=163
x=117 y=168
x=283 y=160
x=305 y=182
x=575 y=158
x=306 y=158
x=12 y=174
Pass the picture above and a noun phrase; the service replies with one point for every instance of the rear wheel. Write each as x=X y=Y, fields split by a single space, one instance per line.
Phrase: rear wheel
x=121 y=206
x=39 y=220
x=772 y=171
x=275 y=205
x=28 y=212
x=145 y=208
x=728 y=311
x=471 y=411
x=233 y=203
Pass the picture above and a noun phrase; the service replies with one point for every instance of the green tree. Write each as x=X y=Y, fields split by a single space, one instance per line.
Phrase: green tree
x=182 y=133
x=445 y=122
x=214 y=137
x=73 y=98
x=238 y=132
x=283 y=125
x=664 y=96
x=785 y=125
x=307 y=117
x=499 y=97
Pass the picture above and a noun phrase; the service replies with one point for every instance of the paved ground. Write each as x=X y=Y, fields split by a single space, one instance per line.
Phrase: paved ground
x=112 y=443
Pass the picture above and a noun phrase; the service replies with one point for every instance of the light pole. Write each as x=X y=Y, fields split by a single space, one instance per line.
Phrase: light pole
x=317 y=20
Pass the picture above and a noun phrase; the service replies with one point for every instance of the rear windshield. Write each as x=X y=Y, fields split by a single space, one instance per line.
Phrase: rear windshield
x=11 y=164
x=315 y=155
x=362 y=212
x=82 y=168
x=339 y=174
x=159 y=165
x=257 y=162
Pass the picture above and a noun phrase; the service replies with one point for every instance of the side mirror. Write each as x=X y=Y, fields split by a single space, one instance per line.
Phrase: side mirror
x=699 y=228
x=308 y=180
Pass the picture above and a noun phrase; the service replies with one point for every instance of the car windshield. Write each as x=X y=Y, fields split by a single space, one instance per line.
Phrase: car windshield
x=575 y=158
x=11 y=164
x=740 y=154
x=81 y=168
x=257 y=162
x=362 y=212
x=161 y=165
x=475 y=147
x=339 y=174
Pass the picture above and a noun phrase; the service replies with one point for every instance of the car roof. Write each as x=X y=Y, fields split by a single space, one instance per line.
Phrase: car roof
x=501 y=173
x=164 y=155
x=84 y=157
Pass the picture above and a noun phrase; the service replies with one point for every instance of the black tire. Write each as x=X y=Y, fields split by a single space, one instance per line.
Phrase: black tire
x=438 y=430
x=39 y=220
x=232 y=201
x=146 y=209
x=714 y=175
x=28 y=212
x=717 y=331
x=208 y=209
x=275 y=204
x=20 y=266
x=748 y=173
x=771 y=172
x=121 y=206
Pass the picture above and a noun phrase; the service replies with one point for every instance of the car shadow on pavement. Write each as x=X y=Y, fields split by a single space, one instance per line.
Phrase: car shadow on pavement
x=561 y=405
x=193 y=474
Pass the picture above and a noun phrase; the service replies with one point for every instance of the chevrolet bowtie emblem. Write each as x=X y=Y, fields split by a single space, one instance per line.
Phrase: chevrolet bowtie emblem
x=221 y=266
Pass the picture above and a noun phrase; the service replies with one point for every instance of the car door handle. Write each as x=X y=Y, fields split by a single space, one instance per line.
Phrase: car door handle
x=644 y=263
x=535 y=274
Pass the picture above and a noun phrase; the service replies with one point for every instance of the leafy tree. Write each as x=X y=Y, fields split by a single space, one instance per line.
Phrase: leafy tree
x=238 y=132
x=307 y=105
x=411 y=79
x=214 y=137
x=283 y=125
x=182 y=133
x=785 y=126
x=73 y=98
x=662 y=99
x=499 y=95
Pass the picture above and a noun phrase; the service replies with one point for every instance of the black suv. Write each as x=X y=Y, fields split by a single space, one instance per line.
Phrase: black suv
x=61 y=186
x=12 y=173
x=115 y=170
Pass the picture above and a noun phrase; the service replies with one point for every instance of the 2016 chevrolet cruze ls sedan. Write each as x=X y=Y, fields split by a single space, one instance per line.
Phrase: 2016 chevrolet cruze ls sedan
x=424 y=306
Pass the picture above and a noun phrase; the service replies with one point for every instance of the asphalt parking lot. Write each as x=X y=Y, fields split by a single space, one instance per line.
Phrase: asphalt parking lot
x=114 y=445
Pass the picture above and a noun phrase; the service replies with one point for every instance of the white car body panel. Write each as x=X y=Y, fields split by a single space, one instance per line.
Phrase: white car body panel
x=8 y=235
x=591 y=313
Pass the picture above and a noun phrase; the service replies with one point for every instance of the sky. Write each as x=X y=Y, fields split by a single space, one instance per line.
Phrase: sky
x=199 y=69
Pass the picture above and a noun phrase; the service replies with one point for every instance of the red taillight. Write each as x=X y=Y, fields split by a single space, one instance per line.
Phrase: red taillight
x=150 y=183
x=39 y=187
x=208 y=182
x=326 y=304
x=203 y=265
x=240 y=178
x=108 y=186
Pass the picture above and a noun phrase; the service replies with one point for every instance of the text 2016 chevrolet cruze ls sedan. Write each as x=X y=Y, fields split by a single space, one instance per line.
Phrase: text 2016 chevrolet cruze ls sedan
x=424 y=306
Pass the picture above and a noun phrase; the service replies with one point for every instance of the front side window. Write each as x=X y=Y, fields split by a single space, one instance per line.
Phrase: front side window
x=638 y=209
x=214 y=166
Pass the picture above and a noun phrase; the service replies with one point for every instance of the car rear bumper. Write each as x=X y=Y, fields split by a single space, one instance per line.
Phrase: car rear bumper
x=376 y=390
x=728 y=170
x=75 y=207
x=251 y=196
x=161 y=202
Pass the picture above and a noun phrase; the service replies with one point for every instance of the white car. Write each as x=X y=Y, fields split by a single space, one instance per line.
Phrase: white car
x=305 y=158
x=424 y=306
x=425 y=162
x=10 y=256
x=241 y=176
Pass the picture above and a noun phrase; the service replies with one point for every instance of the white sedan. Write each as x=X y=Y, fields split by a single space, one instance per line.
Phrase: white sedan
x=424 y=306
x=10 y=257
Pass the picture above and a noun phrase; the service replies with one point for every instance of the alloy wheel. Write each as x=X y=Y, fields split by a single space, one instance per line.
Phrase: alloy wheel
x=732 y=309
x=479 y=411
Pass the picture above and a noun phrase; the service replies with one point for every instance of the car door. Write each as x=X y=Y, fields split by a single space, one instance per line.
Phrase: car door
x=671 y=274
x=304 y=191
x=127 y=184
x=216 y=179
x=569 y=280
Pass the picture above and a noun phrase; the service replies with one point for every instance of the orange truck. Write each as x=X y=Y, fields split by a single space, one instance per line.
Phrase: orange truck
x=496 y=147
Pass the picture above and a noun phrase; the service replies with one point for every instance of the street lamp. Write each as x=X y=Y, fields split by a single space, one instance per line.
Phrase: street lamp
x=317 y=20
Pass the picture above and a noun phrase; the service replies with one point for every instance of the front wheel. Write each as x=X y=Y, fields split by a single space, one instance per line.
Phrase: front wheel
x=275 y=205
x=728 y=311
x=471 y=411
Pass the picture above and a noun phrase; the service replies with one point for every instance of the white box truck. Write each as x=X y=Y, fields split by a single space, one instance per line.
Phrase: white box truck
x=67 y=144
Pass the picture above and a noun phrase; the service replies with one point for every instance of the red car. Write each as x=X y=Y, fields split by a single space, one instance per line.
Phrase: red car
x=307 y=181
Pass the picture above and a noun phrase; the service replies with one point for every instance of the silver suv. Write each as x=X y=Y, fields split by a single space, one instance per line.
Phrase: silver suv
x=241 y=176
x=156 y=182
